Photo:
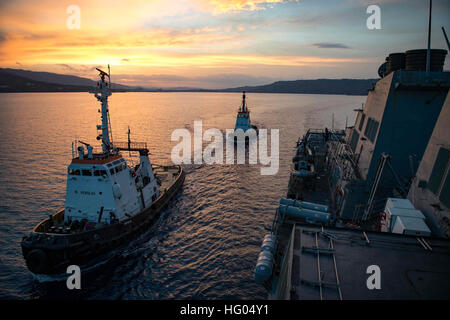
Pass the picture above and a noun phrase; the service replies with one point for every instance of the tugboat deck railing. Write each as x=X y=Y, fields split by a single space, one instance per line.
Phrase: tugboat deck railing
x=97 y=152
x=124 y=145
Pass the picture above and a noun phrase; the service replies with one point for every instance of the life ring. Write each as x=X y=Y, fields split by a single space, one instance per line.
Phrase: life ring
x=37 y=261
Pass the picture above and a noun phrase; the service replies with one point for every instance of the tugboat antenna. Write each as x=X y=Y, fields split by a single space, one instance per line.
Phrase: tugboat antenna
x=109 y=76
x=129 y=141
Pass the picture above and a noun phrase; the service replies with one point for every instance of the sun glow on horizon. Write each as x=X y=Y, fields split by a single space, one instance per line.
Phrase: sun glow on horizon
x=189 y=41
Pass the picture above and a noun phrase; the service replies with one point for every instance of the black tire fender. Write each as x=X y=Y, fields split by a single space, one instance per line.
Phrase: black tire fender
x=37 y=261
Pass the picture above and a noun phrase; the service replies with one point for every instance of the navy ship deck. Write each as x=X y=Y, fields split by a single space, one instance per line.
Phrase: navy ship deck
x=331 y=264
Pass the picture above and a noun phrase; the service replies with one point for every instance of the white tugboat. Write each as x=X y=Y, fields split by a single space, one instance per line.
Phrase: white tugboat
x=243 y=121
x=107 y=202
x=243 y=117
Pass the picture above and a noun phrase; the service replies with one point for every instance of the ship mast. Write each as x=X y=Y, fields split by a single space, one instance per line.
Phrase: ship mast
x=244 y=105
x=102 y=94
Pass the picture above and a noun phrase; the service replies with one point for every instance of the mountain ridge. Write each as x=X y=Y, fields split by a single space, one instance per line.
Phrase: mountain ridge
x=18 y=80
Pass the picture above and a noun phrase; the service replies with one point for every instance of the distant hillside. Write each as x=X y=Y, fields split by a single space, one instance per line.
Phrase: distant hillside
x=17 y=80
x=13 y=83
x=43 y=79
x=319 y=86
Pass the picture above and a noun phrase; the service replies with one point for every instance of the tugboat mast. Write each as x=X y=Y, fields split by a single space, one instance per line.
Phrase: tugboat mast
x=102 y=94
x=244 y=105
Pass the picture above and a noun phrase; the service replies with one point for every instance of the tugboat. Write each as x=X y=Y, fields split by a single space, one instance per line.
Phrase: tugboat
x=243 y=120
x=107 y=202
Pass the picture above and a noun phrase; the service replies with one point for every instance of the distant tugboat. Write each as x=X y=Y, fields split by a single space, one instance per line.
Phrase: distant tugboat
x=243 y=118
x=107 y=202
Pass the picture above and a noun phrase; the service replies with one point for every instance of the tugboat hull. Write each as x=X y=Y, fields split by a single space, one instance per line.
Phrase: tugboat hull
x=51 y=253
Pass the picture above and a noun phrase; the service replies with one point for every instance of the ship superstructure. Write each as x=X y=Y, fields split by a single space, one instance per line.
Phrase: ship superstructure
x=101 y=186
x=374 y=194
x=382 y=152
x=430 y=188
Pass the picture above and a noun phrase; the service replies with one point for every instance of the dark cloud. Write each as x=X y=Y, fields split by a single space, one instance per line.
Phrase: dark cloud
x=233 y=80
x=68 y=67
x=330 y=45
x=148 y=78
x=78 y=69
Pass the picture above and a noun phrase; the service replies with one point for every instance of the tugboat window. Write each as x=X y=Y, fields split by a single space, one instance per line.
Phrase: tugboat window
x=86 y=173
x=75 y=172
x=99 y=173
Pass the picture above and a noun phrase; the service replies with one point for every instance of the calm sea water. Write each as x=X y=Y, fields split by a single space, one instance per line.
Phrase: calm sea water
x=206 y=244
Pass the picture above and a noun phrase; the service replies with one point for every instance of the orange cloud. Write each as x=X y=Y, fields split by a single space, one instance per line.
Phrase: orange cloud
x=35 y=32
x=144 y=37
x=222 y=6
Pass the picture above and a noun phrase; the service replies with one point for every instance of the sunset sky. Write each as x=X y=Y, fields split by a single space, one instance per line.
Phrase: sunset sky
x=214 y=43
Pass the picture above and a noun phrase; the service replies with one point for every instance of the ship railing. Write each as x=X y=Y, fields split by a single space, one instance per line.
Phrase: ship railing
x=97 y=152
x=334 y=133
x=343 y=160
x=376 y=207
x=342 y=156
x=314 y=130
x=360 y=215
x=132 y=146
x=357 y=213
